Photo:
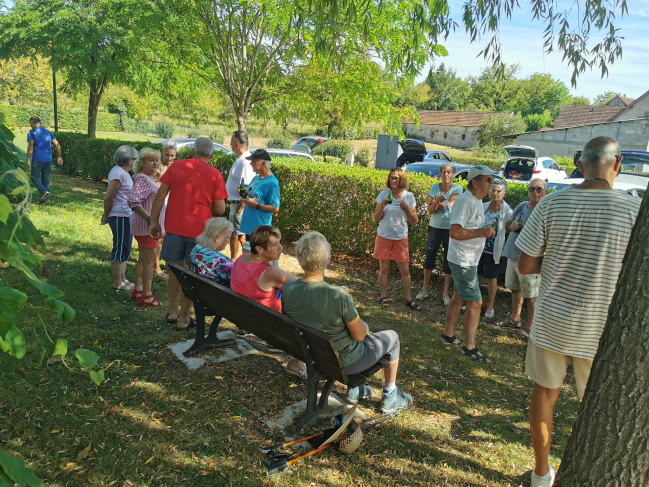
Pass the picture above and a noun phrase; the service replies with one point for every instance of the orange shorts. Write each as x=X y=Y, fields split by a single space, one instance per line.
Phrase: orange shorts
x=146 y=242
x=396 y=250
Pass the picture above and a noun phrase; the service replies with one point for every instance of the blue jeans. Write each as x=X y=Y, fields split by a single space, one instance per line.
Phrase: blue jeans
x=41 y=175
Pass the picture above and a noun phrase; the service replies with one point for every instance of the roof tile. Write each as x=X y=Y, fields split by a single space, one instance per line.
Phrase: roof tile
x=452 y=118
x=574 y=115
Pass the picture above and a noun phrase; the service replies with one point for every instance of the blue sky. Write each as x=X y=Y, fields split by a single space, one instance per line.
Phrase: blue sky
x=522 y=42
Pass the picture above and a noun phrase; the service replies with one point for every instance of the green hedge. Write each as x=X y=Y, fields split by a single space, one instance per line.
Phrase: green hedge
x=68 y=119
x=334 y=147
x=334 y=199
x=475 y=161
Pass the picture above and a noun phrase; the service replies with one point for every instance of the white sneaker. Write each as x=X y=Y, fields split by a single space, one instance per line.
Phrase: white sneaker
x=546 y=481
x=463 y=307
x=489 y=314
x=422 y=294
x=447 y=299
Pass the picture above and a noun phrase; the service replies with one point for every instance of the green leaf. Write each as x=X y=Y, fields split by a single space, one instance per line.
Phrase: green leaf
x=61 y=347
x=16 y=471
x=6 y=321
x=12 y=298
x=64 y=310
x=97 y=377
x=5 y=208
x=87 y=358
x=14 y=343
x=18 y=190
x=5 y=481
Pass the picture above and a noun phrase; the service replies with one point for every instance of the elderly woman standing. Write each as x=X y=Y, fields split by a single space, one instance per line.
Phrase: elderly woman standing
x=141 y=200
x=117 y=214
x=439 y=227
x=496 y=213
x=312 y=302
x=395 y=207
x=524 y=287
x=169 y=152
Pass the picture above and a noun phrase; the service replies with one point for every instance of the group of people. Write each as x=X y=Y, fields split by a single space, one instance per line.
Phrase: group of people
x=564 y=253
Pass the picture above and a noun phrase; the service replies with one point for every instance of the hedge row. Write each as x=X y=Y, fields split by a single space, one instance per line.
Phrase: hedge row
x=68 y=119
x=334 y=199
x=475 y=161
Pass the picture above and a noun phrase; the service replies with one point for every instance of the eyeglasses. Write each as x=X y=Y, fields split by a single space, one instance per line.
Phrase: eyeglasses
x=490 y=180
x=395 y=178
x=537 y=189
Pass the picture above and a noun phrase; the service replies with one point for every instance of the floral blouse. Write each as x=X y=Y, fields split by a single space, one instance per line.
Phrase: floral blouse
x=211 y=264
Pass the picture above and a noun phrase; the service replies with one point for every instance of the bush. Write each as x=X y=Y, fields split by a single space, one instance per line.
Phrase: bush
x=537 y=121
x=194 y=133
x=329 y=159
x=164 y=129
x=333 y=147
x=282 y=141
x=475 y=161
x=138 y=126
x=365 y=156
x=369 y=133
x=219 y=135
x=494 y=127
x=68 y=119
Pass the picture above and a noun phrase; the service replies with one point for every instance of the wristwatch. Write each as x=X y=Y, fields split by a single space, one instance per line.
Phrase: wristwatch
x=257 y=207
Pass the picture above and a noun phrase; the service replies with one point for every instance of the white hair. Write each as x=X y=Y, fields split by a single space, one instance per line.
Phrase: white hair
x=600 y=151
x=313 y=252
x=540 y=180
x=501 y=183
x=213 y=227
x=124 y=155
x=170 y=144
x=203 y=147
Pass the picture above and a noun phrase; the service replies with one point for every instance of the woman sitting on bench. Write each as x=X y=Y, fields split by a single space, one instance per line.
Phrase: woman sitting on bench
x=312 y=302
x=255 y=278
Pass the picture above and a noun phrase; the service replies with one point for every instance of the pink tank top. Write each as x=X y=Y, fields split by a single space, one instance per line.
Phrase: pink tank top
x=244 y=278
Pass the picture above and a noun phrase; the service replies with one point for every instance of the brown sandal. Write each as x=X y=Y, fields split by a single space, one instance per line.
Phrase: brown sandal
x=384 y=302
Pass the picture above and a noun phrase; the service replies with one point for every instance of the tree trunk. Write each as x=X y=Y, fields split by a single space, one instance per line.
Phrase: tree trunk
x=609 y=442
x=93 y=108
x=242 y=121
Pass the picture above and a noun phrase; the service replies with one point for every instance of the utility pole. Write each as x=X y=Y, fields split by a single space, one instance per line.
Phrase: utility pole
x=56 y=109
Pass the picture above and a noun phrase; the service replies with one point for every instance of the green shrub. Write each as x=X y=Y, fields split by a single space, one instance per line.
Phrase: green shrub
x=365 y=156
x=219 y=134
x=334 y=147
x=164 y=129
x=281 y=141
x=19 y=116
x=138 y=126
x=329 y=159
x=369 y=133
x=476 y=161
x=68 y=119
x=194 y=133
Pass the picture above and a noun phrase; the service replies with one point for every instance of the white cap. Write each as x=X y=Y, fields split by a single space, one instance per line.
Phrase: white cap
x=476 y=171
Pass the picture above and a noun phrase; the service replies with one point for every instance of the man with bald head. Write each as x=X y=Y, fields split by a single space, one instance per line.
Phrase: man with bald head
x=196 y=192
x=576 y=239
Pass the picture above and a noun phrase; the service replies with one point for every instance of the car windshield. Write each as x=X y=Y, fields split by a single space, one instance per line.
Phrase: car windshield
x=310 y=143
x=635 y=167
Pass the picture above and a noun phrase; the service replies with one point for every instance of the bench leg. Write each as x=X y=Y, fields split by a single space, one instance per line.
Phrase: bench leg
x=318 y=409
x=202 y=342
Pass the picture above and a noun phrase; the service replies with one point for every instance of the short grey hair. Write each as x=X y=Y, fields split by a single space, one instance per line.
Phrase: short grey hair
x=445 y=166
x=313 y=252
x=501 y=183
x=203 y=147
x=138 y=166
x=540 y=180
x=124 y=155
x=170 y=144
x=600 y=151
x=213 y=227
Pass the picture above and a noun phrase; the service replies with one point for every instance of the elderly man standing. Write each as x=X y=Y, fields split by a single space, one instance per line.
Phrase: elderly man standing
x=263 y=194
x=576 y=239
x=523 y=287
x=39 y=156
x=196 y=190
x=467 y=239
x=241 y=171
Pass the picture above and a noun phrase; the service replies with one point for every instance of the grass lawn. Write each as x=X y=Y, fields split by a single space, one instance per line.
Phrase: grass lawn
x=154 y=422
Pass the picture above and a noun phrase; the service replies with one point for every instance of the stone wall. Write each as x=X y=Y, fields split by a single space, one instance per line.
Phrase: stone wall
x=639 y=110
x=452 y=136
x=632 y=135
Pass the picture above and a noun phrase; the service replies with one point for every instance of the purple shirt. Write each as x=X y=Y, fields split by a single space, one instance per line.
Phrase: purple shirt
x=120 y=202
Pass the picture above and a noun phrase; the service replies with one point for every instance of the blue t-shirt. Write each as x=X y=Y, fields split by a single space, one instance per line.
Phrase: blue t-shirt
x=42 y=144
x=266 y=190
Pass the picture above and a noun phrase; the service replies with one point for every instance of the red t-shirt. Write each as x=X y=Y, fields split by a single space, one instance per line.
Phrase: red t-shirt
x=193 y=186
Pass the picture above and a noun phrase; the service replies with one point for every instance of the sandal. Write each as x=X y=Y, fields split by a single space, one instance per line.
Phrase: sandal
x=136 y=295
x=241 y=333
x=510 y=323
x=413 y=305
x=125 y=286
x=523 y=334
x=162 y=275
x=451 y=340
x=173 y=321
x=384 y=302
x=475 y=355
x=301 y=374
x=192 y=323
x=149 y=301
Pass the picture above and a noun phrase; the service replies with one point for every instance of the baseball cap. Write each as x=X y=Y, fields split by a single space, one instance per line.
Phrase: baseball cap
x=476 y=171
x=259 y=154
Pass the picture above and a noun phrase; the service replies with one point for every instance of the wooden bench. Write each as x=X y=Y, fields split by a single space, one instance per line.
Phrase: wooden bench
x=314 y=347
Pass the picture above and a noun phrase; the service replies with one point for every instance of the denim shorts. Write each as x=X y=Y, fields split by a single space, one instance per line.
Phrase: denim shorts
x=122 y=238
x=176 y=248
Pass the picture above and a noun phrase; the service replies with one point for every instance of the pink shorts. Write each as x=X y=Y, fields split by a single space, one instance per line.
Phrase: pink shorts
x=396 y=250
x=146 y=242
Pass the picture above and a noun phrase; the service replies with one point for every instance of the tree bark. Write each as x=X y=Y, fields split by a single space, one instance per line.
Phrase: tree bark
x=242 y=121
x=609 y=442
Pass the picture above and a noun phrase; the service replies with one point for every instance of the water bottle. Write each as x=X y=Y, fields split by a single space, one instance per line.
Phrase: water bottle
x=390 y=197
x=519 y=222
x=494 y=225
x=242 y=189
x=447 y=208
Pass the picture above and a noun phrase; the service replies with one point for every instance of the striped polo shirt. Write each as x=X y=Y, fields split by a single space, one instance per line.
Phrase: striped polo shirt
x=583 y=235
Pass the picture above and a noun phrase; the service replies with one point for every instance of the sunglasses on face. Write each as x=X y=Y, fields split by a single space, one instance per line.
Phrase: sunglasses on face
x=535 y=190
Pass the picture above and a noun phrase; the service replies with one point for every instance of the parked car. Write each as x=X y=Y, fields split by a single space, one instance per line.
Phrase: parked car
x=630 y=188
x=635 y=168
x=282 y=153
x=413 y=151
x=431 y=168
x=183 y=143
x=307 y=144
x=437 y=155
x=524 y=164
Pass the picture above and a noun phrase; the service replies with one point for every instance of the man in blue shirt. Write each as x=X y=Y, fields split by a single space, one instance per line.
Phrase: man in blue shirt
x=39 y=152
x=263 y=194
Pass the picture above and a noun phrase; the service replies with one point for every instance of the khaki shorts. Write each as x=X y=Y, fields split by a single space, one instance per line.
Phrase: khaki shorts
x=235 y=218
x=528 y=284
x=548 y=368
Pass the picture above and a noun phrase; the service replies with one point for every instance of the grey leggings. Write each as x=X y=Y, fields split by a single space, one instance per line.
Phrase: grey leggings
x=382 y=344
